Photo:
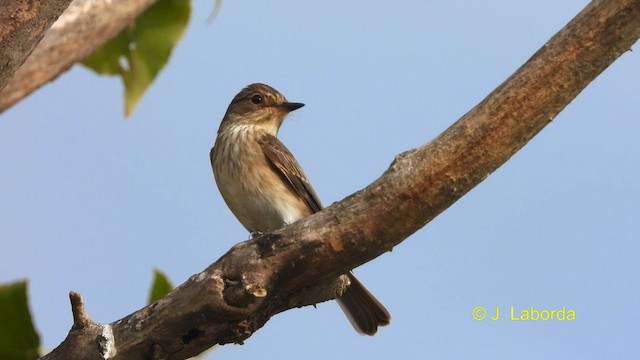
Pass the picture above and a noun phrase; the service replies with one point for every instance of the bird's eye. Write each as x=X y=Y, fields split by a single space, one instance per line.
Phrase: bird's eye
x=256 y=99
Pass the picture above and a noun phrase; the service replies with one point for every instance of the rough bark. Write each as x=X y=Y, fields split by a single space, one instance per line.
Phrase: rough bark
x=82 y=28
x=294 y=266
x=22 y=25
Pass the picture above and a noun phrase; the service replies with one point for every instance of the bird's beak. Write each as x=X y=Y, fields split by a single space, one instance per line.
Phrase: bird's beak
x=290 y=106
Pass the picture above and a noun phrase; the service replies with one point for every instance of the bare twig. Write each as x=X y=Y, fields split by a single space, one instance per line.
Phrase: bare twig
x=80 y=317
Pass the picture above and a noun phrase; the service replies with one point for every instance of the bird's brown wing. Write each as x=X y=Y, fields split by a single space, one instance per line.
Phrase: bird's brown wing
x=287 y=167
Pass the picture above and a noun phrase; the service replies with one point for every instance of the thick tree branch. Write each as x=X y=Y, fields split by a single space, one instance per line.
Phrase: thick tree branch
x=22 y=25
x=237 y=295
x=81 y=29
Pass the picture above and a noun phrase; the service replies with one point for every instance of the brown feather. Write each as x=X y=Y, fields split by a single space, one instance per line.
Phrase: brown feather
x=363 y=310
x=290 y=170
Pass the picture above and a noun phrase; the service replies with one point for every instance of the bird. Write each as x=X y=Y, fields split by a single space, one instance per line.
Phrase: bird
x=266 y=189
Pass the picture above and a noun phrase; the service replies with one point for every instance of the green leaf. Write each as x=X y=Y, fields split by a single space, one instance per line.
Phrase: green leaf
x=161 y=286
x=18 y=337
x=106 y=59
x=142 y=49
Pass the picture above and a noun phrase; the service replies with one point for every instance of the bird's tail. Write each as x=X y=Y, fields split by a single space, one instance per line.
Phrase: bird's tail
x=363 y=310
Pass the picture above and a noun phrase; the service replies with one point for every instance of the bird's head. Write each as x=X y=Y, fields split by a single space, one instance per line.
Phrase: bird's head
x=259 y=105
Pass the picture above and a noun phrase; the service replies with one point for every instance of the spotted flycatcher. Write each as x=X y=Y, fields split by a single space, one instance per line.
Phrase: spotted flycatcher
x=266 y=189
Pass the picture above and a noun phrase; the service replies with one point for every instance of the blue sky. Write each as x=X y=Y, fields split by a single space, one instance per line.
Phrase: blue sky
x=92 y=202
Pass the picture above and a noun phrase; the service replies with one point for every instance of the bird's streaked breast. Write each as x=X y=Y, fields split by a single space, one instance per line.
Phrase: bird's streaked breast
x=254 y=192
